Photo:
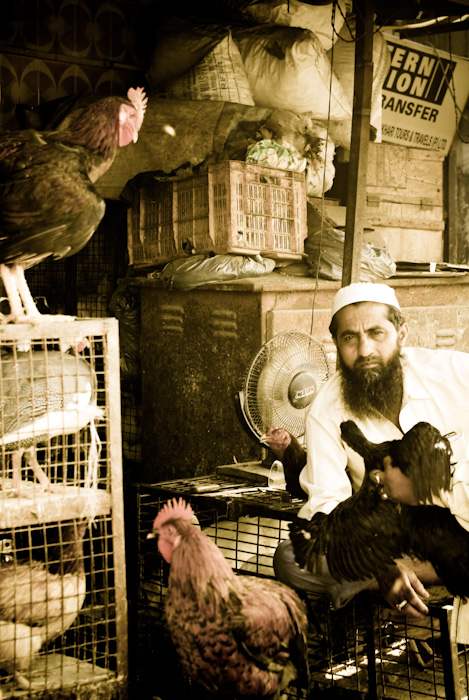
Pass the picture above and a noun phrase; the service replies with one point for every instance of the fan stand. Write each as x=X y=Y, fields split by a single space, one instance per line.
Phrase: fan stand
x=239 y=400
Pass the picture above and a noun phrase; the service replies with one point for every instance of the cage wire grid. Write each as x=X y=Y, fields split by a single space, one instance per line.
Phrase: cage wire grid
x=363 y=650
x=63 y=602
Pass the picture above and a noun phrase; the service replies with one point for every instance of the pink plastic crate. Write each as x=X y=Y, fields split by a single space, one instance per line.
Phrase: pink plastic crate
x=235 y=207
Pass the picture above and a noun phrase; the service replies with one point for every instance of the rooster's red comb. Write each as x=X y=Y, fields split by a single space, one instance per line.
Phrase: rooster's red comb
x=171 y=510
x=139 y=100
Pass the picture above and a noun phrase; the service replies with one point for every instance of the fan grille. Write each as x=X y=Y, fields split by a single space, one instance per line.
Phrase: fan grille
x=283 y=380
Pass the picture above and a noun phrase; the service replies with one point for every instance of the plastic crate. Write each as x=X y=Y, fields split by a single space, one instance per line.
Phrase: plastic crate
x=235 y=207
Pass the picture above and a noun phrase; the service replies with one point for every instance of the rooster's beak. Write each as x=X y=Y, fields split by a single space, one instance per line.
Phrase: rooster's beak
x=152 y=535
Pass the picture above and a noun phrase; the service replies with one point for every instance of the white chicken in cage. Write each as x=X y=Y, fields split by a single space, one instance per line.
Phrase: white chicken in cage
x=39 y=601
x=44 y=394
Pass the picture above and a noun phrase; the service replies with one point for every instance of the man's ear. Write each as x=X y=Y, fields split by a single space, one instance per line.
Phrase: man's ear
x=402 y=333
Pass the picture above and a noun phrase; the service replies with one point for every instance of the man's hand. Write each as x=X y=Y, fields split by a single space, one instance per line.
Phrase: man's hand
x=401 y=589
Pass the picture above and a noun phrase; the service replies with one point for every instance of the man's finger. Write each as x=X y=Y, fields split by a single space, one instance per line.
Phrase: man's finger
x=414 y=611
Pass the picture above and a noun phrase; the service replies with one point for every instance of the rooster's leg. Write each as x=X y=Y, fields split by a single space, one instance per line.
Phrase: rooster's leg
x=414 y=645
x=11 y=274
x=29 y=306
x=32 y=463
x=16 y=459
x=22 y=306
x=38 y=471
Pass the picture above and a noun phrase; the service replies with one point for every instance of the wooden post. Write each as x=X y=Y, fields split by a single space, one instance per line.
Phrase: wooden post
x=356 y=191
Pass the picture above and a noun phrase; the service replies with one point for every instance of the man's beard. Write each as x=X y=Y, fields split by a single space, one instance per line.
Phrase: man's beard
x=376 y=390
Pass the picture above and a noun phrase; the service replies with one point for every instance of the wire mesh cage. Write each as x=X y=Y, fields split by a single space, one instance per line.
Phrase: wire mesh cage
x=63 y=604
x=82 y=285
x=363 y=650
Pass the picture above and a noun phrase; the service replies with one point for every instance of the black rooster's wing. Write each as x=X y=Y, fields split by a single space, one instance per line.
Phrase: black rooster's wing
x=361 y=536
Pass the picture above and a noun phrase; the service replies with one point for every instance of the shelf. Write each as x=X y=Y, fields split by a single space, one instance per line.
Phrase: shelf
x=57 y=672
x=34 y=505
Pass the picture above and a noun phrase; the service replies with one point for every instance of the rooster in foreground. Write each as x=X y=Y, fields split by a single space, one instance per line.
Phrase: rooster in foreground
x=48 y=204
x=288 y=450
x=364 y=534
x=40 y=601
x=237 y=636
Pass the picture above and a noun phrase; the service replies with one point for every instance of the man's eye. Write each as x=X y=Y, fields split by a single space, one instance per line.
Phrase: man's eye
x=376 y=333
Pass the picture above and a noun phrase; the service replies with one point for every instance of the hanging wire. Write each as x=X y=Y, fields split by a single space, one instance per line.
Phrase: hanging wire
x=452 y=92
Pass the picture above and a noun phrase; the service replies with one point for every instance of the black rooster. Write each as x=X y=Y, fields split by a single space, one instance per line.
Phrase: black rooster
x=288 y=450
x=48 y=204
x=365 y=533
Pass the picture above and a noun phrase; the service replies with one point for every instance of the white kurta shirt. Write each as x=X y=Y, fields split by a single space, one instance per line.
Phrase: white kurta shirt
x=436 y=390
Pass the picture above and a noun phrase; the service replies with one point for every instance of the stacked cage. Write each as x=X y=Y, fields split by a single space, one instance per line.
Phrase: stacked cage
x=363 y=650
x=63 y=610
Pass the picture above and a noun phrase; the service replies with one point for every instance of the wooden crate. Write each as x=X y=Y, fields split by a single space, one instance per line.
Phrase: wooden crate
x=404 y=200
x=235 y=207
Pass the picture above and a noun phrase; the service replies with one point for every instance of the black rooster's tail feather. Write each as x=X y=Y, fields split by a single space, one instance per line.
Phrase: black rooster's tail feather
x=424 y=455
x=433 y=534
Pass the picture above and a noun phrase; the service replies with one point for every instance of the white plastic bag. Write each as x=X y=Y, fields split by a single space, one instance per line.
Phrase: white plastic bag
x=187 y=273
x=219 y=76
x=293 y=13
x=326 y=250
x=288 y=68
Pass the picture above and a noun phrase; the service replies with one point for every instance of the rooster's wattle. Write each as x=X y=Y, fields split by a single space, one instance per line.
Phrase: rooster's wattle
x=236 y=635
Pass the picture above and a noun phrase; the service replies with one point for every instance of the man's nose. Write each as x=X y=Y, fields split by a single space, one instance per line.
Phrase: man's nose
x=365 y=346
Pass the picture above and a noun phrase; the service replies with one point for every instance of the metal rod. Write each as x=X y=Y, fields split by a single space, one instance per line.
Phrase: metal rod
x=356 y=192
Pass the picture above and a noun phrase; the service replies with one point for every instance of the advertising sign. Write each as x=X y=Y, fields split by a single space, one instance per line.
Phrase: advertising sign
x=424 y=93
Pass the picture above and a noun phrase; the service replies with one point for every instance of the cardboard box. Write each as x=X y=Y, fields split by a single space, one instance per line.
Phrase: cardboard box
x=404 y=200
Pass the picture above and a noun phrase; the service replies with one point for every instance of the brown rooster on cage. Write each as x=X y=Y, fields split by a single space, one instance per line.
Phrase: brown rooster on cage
x=286 y=447
x=48 y=204
x=40 y=601
x=236 y=635
x=365 y=533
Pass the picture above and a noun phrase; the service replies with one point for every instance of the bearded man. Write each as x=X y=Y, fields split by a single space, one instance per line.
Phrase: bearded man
x=385 y=388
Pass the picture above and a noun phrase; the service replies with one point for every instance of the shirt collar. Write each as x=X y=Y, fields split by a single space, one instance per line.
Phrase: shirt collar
x=413 y=386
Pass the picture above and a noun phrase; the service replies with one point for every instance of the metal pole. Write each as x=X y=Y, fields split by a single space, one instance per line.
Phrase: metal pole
x=356 y=192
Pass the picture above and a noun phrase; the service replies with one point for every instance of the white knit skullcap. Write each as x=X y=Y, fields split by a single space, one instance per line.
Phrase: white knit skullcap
x=364 y=291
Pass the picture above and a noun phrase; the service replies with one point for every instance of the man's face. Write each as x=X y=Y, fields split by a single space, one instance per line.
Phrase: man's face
x=369 y=348
x=366 y=338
